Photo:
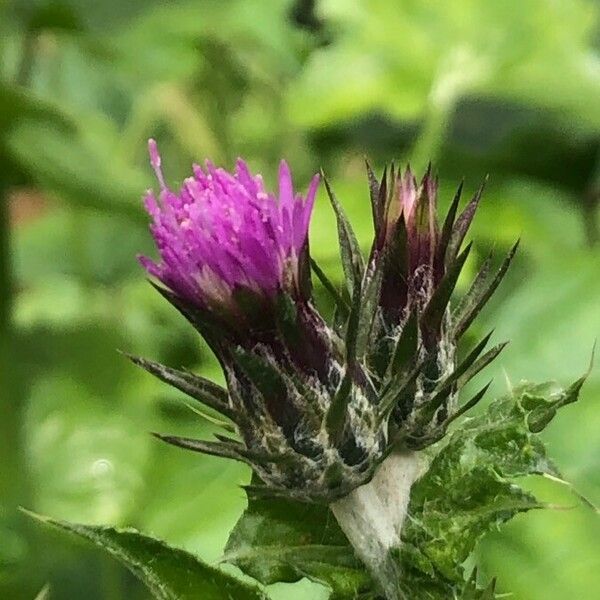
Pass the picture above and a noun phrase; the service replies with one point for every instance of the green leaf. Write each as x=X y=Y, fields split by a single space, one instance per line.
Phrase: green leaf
x=480 y=293
x=224 y=450
x=468 y=489
x=370 y=289
x=341 y=304
x=264 y=375
x=169 y=573
x=434 y=312
x=281 y=540
x=460 y=228
x=406 y=347
x=465 y=364
x=471 y=590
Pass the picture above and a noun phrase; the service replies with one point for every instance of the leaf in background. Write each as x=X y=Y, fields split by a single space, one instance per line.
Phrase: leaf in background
x=553 y=319
x=83 y=168
x=400 y=58
x=87 y=459
x=466 y=492
x=169 y=573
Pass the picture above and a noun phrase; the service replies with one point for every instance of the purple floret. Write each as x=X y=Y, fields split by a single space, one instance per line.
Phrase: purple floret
x=223 y=231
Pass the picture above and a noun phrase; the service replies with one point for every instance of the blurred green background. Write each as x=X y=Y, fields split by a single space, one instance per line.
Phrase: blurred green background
x=505 y=87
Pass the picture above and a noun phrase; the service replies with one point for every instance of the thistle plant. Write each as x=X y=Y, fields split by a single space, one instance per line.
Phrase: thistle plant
x=315 y=409
x=359 y=482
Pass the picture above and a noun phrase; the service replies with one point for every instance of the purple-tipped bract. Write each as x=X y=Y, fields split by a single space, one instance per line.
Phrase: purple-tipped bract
x=224 y=231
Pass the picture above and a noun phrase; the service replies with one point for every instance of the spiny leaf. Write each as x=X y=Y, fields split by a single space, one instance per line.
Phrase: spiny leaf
x=352 y=259
x=433 y=314
x=374 y=194
x=335 y=418
x=304 y=278
x=481 y=363
x=197 y=387
x=225 y=448
x=353 y=324
x=467 y=491
x=287 y=315
x=382 y=203
x=370 y=291
x=464 y=365
x=448 y=225
x=472 y=591
x=264 y=375
x=459 y=231
x=211 y=448
x=469 y=404
x=210 y=419
x=282 y=540
x=476 y=287
x=396 y=388
x=169 y=573
x=340 y=302
x=466 y=317
x=542 y=410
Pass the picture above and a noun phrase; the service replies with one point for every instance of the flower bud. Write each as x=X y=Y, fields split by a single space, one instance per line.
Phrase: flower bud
x=416 y=333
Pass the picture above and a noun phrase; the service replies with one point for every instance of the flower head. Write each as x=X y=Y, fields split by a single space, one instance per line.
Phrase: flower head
x=223 y=232
x=234 y=259
x=420 y=262
x=314 y=408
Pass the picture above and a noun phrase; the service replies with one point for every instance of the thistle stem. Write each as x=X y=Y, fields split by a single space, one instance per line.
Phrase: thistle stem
x=9 y=403
x=372 y=516
x=460 y=71
x=14 y=489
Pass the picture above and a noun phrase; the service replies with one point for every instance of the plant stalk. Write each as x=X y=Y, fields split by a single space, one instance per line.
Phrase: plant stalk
x=372 y=517
x=10 y=426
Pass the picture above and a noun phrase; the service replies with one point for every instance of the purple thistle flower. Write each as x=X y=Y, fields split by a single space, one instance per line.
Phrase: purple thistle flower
x=224 y=232
x=315 y=407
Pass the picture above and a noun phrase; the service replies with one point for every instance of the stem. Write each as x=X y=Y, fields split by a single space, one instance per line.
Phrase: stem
x=11 y=482
x=372 y=516
x=431 y=137
x=459 y=71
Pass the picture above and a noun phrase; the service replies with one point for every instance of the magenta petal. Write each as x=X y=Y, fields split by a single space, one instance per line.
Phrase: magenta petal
x=286 y=192
x=222 y=231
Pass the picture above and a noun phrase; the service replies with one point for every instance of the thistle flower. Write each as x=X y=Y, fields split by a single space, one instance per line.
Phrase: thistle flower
x=315 y=408
x=234 y=260
x=323 y=413
x=223 y=235
x=416 y=334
